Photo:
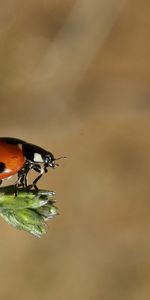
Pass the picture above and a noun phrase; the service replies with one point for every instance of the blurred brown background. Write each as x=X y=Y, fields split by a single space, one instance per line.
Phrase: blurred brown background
x=75 y=79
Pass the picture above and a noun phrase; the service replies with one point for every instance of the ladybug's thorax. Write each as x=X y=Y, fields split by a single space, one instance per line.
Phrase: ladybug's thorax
x=33 y=153
x=37 y=154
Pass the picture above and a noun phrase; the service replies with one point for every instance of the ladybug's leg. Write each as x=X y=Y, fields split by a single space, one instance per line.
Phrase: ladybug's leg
x=40 y=170
x=22 y=177
x=36 y=180
x=21 y=182
x=33 y=185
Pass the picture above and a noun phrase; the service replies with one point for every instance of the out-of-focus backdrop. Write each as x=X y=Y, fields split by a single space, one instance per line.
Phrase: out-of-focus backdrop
x=75 y=79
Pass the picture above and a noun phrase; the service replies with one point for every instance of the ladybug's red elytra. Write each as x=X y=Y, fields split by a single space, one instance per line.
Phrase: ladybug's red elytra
x=19 y=157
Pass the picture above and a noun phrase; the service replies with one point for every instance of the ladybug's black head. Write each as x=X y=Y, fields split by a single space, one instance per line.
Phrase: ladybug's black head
x=50 y=161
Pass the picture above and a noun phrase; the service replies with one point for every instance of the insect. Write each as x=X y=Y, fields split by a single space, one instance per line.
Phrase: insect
x=19 y=157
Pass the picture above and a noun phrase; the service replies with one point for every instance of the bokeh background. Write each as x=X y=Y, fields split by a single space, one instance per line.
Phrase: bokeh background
x=75 y=79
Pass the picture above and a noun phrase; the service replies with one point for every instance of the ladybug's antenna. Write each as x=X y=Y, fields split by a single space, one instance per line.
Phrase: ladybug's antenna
x=64 y=157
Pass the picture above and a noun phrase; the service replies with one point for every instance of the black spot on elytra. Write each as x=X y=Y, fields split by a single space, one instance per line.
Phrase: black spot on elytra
x=2 y=167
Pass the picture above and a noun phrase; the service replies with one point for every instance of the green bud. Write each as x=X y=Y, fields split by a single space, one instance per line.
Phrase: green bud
x=28 y=210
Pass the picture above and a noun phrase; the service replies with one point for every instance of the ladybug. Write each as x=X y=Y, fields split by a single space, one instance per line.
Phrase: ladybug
x=19 y=157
